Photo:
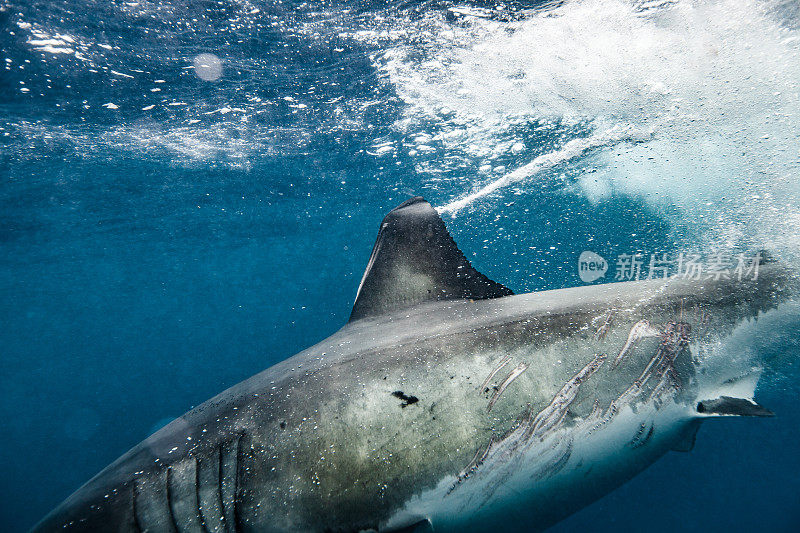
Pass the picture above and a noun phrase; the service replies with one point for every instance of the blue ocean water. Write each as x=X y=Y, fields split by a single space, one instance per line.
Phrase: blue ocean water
x=168 y=230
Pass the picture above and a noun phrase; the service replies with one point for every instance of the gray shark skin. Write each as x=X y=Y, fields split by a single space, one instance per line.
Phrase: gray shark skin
x=446 y=402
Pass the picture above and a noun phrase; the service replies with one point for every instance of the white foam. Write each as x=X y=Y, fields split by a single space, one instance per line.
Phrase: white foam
x=718 y=84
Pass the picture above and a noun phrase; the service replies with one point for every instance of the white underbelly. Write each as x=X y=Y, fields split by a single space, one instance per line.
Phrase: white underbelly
x=545 y=479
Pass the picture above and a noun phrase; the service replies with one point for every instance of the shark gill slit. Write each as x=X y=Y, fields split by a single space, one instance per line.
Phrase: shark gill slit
x=171 y=513
x=225 y=524
x=237 y=483
x=208 y=492
x=151 y=505
x=184 y=495
x=198 y=502
x=137 y=526
x=228 y=483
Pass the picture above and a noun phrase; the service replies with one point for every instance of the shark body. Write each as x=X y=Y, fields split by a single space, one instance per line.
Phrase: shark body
x=446 y=402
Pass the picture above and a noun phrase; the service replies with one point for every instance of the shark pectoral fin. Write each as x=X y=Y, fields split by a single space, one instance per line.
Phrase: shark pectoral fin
x=416 y=260
x=729 y=406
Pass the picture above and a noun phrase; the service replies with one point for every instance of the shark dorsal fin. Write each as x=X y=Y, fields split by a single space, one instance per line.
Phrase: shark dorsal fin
x=415 y=260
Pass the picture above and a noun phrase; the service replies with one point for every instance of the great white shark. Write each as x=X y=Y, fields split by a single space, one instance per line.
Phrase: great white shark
x=445 y=403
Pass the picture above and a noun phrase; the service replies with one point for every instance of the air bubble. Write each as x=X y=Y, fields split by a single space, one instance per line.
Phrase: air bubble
x=207 y=67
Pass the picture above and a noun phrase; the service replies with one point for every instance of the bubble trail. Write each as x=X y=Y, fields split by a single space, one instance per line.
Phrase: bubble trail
x=571 y=150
